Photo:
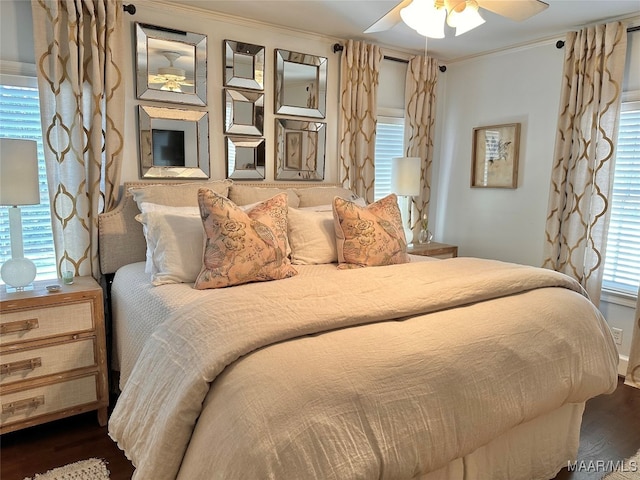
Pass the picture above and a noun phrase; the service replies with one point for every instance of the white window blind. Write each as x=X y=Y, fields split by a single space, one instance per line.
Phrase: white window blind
x=622 y=262
x=20 y=118
x=389 y=144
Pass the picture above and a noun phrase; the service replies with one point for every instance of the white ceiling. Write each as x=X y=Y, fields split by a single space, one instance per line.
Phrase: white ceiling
x=347 y=19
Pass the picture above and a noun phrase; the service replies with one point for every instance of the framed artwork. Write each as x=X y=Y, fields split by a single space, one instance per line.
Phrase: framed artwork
x=173 y=143
x=293 y=150
x=244 y=112
x=171 y=65
x=300 y=150
x=301 y=84
x=494 y=157
x=243 y=65
x=245 y=158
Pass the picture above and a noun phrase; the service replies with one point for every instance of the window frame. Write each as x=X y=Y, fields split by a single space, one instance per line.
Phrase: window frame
x=22 y=75
x=630 y=101
x=393 y=116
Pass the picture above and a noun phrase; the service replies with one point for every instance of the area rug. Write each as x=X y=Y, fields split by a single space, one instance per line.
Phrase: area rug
x=91 y=469
x=627 y=470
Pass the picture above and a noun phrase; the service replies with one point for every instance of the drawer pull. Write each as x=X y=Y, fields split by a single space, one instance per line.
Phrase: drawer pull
x=19 y=326
x=27 y=403
x=20 y=365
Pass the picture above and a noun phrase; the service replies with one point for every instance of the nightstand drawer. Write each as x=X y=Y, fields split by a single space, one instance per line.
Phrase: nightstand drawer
x=45 y=322
x=56 y=397
x=38 y=362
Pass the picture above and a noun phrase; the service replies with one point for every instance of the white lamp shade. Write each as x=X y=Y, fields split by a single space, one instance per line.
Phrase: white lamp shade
x=19 y=172
x=424 y=18
x=465 y=17
x=405 y=176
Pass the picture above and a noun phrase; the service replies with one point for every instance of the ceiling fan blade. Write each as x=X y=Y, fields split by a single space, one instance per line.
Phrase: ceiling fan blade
x=517 y=10
x=389 y=20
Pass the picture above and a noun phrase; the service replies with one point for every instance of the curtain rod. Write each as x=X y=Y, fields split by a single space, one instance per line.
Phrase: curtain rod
x=560 y=43
x=130 y=9
x=339 y=48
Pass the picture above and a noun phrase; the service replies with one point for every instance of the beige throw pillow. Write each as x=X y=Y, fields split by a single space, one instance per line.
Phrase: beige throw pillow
x=178 y=194
x=371 y=235
x=312 y=237
x=312 y=196
x=246 y=194
x=243 y=247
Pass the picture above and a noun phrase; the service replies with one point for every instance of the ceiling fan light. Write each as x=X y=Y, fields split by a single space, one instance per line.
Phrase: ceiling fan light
x=465 y=18
x=173 y=73
x=171 y=86
x=424 y=18
x=468 y=21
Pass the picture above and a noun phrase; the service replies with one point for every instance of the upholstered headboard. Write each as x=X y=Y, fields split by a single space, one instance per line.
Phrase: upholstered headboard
x=121 y=240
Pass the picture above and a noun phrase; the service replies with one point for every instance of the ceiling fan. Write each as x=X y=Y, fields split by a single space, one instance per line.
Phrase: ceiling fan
x=428 y=17
x=171 y=78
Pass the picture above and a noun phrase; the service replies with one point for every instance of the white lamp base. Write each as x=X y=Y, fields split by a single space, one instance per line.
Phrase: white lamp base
x=405 y=214
x=18 y=272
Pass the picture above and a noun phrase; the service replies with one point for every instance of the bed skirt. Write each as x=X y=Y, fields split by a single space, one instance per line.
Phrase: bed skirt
x=517 y=454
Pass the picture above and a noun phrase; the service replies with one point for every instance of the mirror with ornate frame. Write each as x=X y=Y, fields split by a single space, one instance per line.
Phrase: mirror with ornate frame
x=244 y=112
x=243 y=65
x=173 y=143
x=301 y=84
x=171 y=65
x=245 y=158
x=300 y=150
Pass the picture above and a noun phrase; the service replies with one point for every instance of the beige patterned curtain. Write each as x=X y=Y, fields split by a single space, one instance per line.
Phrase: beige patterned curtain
x=78 y=47
x=633 y=370
x=419 y=127
x=360 y=66
x=578 y=214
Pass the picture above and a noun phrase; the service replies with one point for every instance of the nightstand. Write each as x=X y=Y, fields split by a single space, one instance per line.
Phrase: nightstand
x=53 y=361
x=433 y=249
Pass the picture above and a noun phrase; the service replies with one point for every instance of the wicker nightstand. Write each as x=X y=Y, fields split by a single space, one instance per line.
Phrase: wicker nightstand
x=433 y=249
x=52 y=354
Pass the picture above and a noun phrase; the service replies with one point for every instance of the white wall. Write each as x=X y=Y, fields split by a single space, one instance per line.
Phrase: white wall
x=16 y=31
x=516 y=86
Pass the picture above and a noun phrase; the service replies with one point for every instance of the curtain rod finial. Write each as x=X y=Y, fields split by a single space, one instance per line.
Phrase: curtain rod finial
x=130 y=9
x=337 y=48
x=442 y=68
x=559 y=44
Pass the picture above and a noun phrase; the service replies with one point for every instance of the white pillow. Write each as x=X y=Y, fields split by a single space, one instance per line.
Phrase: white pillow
x=175 y=244
x=312 y=236
x=146 y=207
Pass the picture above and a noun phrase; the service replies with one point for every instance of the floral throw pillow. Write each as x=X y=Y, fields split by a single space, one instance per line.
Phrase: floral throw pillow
x=243 y=246
x=369 y=236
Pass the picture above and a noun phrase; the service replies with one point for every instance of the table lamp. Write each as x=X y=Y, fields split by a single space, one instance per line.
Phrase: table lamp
x=405 y=182
x=18 y=186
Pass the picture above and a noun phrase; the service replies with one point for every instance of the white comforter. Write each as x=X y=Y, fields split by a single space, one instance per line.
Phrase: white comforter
x=383 y=372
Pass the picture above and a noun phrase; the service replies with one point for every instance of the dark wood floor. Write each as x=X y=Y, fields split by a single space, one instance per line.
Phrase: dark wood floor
x=610 y=432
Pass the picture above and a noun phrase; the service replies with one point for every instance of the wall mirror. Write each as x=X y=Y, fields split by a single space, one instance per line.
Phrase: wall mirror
x=301 y=84
x=173 y=143
x=171 y=65
x=300 y=150
x=245 y=158
x=243 y=65
x=244 y=112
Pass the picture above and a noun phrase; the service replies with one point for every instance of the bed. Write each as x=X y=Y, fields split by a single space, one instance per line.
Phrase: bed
x=430 y=369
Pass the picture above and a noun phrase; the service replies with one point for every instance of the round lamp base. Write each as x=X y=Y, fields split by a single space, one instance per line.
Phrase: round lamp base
x=18 y=272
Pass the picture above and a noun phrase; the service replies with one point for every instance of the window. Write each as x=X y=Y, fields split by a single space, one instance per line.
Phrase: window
x=389 y=144
x=622 y=262
x=20 y=118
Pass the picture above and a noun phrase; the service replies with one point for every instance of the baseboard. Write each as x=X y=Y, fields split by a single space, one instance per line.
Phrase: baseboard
x=622 y=365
